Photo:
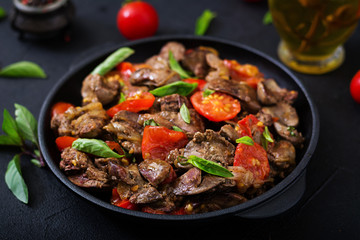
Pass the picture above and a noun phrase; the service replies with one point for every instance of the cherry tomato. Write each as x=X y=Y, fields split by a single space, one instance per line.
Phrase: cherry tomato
x=134 y=103
x=201 y=83
x=64 y=142
x=216 y=107
x=253 y=158
x=123 y=203
x=60 y=108
x=355 y=87
x=137 y=20
x=158 y=141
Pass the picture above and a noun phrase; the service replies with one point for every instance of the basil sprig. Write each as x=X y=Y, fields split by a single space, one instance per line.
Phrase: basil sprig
x=245 y=140
x=96 y=147
x=209 y=166
x=23 y=69
x=175 y=66
x=176 y=128
x=111 y=61
x=203 y=22
x=150 y=122
x=266 y=138
x=207 y=92
x=15 y=181
x=179 y=87
x=185 y=114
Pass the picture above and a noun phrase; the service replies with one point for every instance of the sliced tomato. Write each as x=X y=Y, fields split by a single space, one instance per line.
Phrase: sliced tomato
x=247 y=72
x=123 y=203
x=201 y=83
x=253 y=158
x=247 y=125
x=60 y=108
x=125 y=69
x=64 y=142
x=136 y=102
x=158 y=141
x=115 y=146
x=216 y=107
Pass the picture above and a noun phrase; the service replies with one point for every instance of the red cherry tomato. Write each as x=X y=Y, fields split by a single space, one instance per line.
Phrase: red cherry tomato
x=158 y=141
x=125 y=69
x=355 y=87
x=201 y=83
x=60 y=108
x=216 y=107
x=123 y=203
x=64 y=142
x=137 y=20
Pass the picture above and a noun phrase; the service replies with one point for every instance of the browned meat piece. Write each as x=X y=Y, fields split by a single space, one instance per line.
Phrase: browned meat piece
x=73 y=160
x=157 y=62
x=269 y=93
x=286 y=114
x=154 y=77
x=229 y=133
x=187 y=182
x=127 y=130
x=96 y=88
x=172 y=103
x=114 y=168
x=240 y=90
x=290 y=134
x=146 y=194
x=218 y=69
x=265 y=118
x=195 y=61
x=282 y=155
x=217 y=202
x=244 y=179
x=211 y=146
x=155 y=171
x=86 y=121
x=177 y=49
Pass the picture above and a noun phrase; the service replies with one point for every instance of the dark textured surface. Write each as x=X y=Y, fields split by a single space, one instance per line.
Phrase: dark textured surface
x=329 y=208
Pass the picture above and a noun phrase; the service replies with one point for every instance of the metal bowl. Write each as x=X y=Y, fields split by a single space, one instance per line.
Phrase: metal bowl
x=273 y=202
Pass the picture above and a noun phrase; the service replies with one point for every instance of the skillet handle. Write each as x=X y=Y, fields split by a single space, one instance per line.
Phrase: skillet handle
x=279 y=204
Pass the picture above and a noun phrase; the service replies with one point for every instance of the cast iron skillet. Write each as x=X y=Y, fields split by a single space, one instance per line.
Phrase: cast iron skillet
x=275 y=201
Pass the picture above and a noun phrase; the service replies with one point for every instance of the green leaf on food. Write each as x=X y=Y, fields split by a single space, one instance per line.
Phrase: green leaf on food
x=267 y=19
x=15 y=181
x=26 y=123
x=176 y=128
x=245 y=140
x=122 y=98
x=96 y=147
x=111 y=61
x=203 y=22
x=267 y=135
x=2 y=13
x=207 y=92
x=179 y=87
x=185 y=114
x=10 y=128
x=150 y=122
x=23 y=69
x=209 y=166
x=175 y=66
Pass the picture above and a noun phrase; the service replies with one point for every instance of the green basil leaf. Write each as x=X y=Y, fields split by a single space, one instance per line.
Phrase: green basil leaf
x=207 y=92
x=175 y=66
x=179 y=87
x=150 y=122
x=264 y=142
x=267 y=135
x=185 y=114
x=96 y=147
x=177 y=129
x=23 y=69
x=15 y=181
x=111 y=61
x=245 y=140
x=10 y=128
x=37 y=153
x=122 y=98
x=6 y=140
x=203 y=22
x=209 y=166
x=267 y=19
x=26 y=123
x=2 y=13
x=35 y=162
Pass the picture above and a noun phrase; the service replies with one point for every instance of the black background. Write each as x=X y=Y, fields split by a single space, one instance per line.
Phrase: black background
x=329 y=208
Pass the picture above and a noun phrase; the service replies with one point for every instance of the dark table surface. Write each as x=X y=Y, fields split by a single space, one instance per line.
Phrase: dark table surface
x=329 y=208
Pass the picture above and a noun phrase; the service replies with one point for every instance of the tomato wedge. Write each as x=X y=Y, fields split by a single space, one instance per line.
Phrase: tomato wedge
x=123 y=203
x=158 y=141
x=216 y=107
x=125 y=69
x=115 y=146
x=247 y=72
x=134 y=103
x=60 y=108
x=64 y=142
x=247 y=125
x=201 y=83
x=253 y=158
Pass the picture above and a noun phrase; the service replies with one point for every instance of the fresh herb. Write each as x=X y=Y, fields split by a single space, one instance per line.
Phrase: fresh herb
x=111 y=61
x=267 y=135
x=267 y=19
x=175 y=66
x=245 y=140
x=2 y=13
x=96 y=147
x=185 y=114
x=23 y=69
x=122 y=98
x=177 y=128
x=209 y=166
x=207 y=92
x=179 y=87
x=203 y=22
x=150 y=122
x=291 y=130
x=21 y=132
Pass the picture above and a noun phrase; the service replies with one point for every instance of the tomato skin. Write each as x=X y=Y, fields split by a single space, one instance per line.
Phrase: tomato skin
x=134 y=103
x=158 y=141
x=115 y=146
x=355 y=87
x=253 y=158
x=216 y=107
x=60 y=108
x=201 y=83
x=247 y=124
x=137 y=20
x=125 y=69
x=123 y=203
x=64 y=142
